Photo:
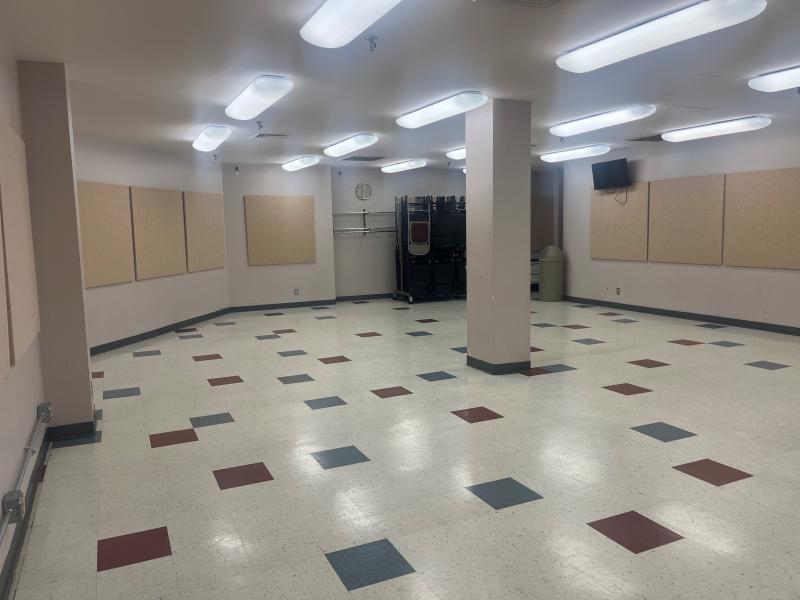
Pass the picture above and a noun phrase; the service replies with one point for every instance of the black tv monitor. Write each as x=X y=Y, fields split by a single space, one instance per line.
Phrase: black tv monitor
x=611 y=175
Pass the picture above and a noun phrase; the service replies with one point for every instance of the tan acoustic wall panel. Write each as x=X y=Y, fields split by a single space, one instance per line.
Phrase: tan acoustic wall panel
x=158 y=232
x=762 y=219
x=5 y=339
x=205 y=231
x=619 y=223
x=23 y=300
x=106 y=235
x=280 y=230
x=686 y=220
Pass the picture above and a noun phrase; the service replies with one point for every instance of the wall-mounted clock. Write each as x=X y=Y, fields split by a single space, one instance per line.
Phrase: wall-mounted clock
x=363 y=191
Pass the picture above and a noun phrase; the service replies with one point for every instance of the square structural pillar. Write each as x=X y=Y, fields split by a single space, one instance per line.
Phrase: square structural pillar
x=499 y=236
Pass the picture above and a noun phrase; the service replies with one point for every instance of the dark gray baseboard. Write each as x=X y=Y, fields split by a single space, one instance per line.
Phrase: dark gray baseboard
x=497 y=369
x=757 y=325
x=73 y=430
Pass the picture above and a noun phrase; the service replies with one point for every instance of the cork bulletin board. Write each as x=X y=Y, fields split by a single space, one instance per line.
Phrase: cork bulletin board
x=280 y=230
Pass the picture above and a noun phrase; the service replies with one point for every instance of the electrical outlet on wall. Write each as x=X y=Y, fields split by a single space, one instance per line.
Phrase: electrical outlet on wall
x=296 y=291
x=617 y=291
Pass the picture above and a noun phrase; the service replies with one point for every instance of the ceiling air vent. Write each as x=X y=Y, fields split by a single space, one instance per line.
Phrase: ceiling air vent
x=364 y=158
x=261 y=135
x=531 y=3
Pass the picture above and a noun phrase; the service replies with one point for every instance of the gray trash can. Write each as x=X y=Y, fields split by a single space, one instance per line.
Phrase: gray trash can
x=551 y=277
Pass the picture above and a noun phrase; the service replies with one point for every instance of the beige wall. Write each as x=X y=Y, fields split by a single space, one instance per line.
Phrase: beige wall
x=766 y=295
x=119 y=311
x=275 y=284
x=365 y=264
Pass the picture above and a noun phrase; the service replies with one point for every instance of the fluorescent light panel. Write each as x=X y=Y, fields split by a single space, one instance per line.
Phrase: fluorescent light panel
x=584 y=152
x=449 y=107
x=338 y=22
x=301 y=163
x=404 y=166
x=257 y=97
x=777 y=81
x=457 y=154
x=350 y=145
x=698 y=19
x=603 y=120
x=211 y=137
x=715 y=129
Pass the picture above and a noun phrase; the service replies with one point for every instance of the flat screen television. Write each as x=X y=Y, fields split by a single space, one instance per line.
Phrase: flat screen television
x=611 y=175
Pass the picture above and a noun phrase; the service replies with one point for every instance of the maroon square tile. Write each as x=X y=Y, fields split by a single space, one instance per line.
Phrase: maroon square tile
x=649 y=363
x=477 y=414
x=225 y=380
x=186 y=330
x=205 y=357
x=368 y=334
x=427 y=320
x=391 y=392
x=626 y=389
x=361 y=302
x=98 y=374
x=273 y=314
x=712 y=472
x=686 y=342
x=332 y=360
x=635 y=532
x=170 y=438
x=244 y=475
x=533 y=371
x=535 y=349
x=576 y=327
x=610 y=314
x=132 y=548
x=282 y=331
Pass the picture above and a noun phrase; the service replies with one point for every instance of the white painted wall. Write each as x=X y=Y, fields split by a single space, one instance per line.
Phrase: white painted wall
x=365 y=264
x=275 y=284
x=766 y=295
x=119 y=311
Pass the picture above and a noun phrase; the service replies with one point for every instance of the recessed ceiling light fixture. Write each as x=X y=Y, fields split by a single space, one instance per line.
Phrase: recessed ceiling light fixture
x=584 y=152
x=257 y=97
x=777 y=81
x=350 y=145
x=603 y=120
x=715 y=129
x=449 y=107
x=404 y=166
x=300 y=163
x=698 y=19
x=457 y=154
x=338 y=22
x=211 y=137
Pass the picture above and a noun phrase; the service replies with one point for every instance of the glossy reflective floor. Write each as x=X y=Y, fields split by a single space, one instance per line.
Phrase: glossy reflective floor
x=348 y=452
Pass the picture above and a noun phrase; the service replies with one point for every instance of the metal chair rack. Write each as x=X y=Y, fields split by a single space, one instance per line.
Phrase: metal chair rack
x=365 y=227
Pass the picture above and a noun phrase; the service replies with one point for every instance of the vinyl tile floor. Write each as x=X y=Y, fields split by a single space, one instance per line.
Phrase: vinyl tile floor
x=241 y=465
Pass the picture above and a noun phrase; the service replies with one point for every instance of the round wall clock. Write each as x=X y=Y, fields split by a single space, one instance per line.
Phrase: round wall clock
x=363 y=191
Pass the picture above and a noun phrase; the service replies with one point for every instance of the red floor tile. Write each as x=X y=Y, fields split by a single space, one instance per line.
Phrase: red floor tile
x=477 y=414
x=533 y=371
x=170 y=438
x=244 y=475
x=576 y=327
x=186 y=330
x=368 y=334
x=686 y=342
x=648 y=363
x=273 y=314
x=391 y=392
x=132 y=548
x=712 y=472
x=204 y=357
x=332 y=360
x=98 y=374
x=535 y=349
x=635 y=532
x=627 y=389
x=427 y=320
x=282 y=331
x=225 y=380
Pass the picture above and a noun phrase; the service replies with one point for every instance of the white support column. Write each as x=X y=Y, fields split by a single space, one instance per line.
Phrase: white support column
x=498 y=236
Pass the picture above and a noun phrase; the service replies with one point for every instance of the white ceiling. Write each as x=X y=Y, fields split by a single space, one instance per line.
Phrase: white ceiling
x=153 y=73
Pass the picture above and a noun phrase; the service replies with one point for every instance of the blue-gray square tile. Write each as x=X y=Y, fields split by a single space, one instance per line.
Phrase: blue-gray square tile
x=503 y=493
x=543 y=325
x=93 y=438
x=625 y=321
x=460 y=349
x=286 y=353
x=726 y=344
x=224 y=323
x=558 y=368
x=588 y=341
x=769 y=366
x=320 y=308
x=141 y=353
x=286 y=380
x=664 y=432
x=121 y=393
x=270 y=336
x=368 y=564
x=324 y=317
x=339 y=457
x=191 y=336
x=328 y=402
x=208 y=420
x=436 y=376
x=418 y=333
x=712 y=326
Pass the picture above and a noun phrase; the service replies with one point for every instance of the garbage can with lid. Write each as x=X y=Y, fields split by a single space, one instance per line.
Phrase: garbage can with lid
x=551 y=278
